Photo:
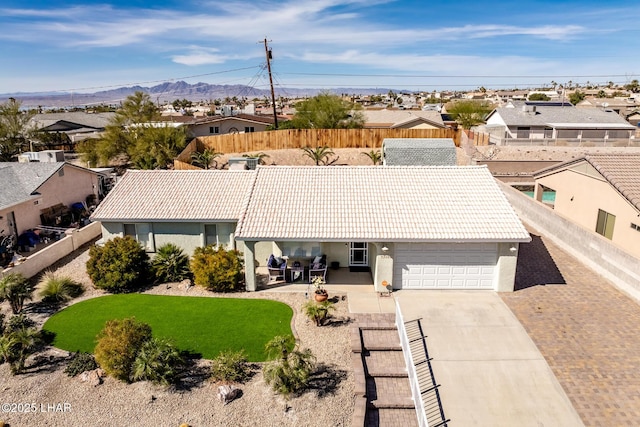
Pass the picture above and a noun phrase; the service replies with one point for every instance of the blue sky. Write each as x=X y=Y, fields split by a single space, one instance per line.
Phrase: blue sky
x=85 y=46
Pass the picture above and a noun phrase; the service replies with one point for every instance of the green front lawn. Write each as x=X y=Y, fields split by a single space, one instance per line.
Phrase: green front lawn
x=198 y=324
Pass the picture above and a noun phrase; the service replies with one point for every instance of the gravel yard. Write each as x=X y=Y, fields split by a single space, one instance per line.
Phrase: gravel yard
x=113 y=403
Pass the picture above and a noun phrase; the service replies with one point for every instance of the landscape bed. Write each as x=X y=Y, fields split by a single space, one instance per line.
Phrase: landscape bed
x=200 y=325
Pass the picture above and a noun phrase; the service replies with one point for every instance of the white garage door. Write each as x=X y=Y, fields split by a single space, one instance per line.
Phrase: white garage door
x=444 y=265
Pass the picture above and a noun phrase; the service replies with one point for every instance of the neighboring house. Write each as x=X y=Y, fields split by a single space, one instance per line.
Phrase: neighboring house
x=188 y=208
x=539 y=120
x=634 y=118
x=414 y=227
x=402 y=119
x=622 y=106
x=600 y=192
x=220 y=125
x=418 y=152
x=71 y=127
x=29 y=189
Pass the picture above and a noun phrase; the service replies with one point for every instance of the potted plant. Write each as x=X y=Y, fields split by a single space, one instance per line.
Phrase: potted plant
x=320 y=293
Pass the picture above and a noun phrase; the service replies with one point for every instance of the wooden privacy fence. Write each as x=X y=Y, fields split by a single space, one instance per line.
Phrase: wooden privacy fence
x=299 y=138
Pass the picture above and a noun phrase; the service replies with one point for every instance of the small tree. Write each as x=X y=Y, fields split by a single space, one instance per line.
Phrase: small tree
x=157 y=361
x=121 y=265
x=170 y=264
x=327 y=111
x=118 y=345
x=374 y=155
x=216 y=268
x=16 y=289
x=539 y=97
x=19 y=340
x=469 y=113
x=319 y=155
x=204 y=158
x=290 y=373
x=318 y=311
x=576 y=97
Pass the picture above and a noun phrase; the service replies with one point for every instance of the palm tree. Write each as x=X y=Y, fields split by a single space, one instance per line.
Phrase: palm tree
x=375 y=156
x=319 y=154
x=17 y=346
x=205 y=158
x=291 y=372
x=170 y=264
x=157 y=361
x=16 y=289
x=318 y=312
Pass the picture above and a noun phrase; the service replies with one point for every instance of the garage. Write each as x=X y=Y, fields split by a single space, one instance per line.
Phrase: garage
x=445 y=265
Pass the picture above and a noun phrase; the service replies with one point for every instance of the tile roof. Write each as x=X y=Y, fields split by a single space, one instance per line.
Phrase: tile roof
x=160 y=195
x=419 y=152
x=567 y=116
x=21 y=180
x=392 y=118
x=622 y=171
x=374 y=203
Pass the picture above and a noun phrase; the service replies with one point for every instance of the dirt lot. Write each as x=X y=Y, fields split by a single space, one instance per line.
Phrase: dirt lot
x=465 y=155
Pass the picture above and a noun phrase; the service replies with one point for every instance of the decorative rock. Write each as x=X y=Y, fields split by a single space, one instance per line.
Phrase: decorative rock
x=94 y=377
x=228 y=393
x=184 y=285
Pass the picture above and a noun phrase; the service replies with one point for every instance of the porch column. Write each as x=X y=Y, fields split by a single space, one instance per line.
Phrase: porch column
x=537 y=192
x=505 y=275
x=383 y=267
x=250 y=266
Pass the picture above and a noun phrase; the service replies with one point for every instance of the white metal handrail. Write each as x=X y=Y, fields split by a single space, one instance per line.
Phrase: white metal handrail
x=413 y=377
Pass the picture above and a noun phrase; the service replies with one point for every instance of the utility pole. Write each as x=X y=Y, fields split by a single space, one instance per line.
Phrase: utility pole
x=267 y=52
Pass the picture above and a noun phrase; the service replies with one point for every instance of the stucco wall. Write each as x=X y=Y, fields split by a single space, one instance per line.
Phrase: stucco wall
x=597 y=252
x=578 y=198
x=225 y=127
x=42 y=259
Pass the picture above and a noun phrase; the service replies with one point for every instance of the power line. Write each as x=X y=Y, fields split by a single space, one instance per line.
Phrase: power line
x=465 y=76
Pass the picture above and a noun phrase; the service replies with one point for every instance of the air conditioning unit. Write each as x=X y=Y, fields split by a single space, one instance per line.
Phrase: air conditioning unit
x=51 y=156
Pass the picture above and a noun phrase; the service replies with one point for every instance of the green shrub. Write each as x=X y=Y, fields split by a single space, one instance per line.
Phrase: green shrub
x=19 y=340
x=57 y=289
x=16 y=289
x=289 y=373
x=216 y=268
x=118 y=345
x=121 y=265
x=80 y=362
x=318 y=311
x=157 y=361
x=170 y=264
x=17 y=323
x=230 y=367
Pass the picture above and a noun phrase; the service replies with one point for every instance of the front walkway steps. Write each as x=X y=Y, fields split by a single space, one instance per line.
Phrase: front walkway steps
x=383 y=393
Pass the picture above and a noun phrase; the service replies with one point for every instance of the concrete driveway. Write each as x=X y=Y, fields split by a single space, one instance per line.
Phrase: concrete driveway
x=490 y=371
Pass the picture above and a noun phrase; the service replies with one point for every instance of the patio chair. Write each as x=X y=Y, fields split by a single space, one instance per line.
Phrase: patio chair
x=318 y=268
x=277 y=268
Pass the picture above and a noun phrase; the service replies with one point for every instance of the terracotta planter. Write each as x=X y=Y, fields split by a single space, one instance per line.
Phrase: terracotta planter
x=321 y=297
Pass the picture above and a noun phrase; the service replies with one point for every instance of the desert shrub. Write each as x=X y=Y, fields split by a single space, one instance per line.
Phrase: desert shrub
x=216 y=268
x=19 y=340
x=318 y=311
x=230 y=367
x=80 y=362
x=289 y=373
x=55 y=288
x=170 y=264
x=16 y=289
x=118 y=345
x=121 y=265
x=18 y=322
x=157 y=361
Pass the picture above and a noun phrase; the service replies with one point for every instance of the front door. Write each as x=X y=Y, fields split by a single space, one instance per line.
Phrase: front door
x=358 y=254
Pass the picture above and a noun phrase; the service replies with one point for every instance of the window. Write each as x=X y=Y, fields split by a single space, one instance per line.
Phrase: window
x=249 y=129
x=214 y=129
x=523 y=132
x=635 y=226
x=605 y=224
x=210 y=234
x=142 y=233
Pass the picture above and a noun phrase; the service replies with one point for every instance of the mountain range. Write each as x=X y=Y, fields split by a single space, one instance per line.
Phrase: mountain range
x=168 y=91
